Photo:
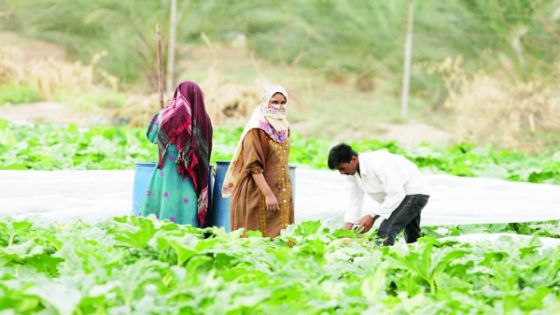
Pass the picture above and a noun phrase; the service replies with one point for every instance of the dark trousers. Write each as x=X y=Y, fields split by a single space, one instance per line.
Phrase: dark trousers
x=406 y=217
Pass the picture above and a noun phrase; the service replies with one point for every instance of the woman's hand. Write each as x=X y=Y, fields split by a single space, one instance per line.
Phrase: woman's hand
x=271 y=202
x=270 y=199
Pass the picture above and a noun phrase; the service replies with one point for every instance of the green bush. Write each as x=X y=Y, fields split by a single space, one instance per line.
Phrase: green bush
x=13 y=93
x=362 y=37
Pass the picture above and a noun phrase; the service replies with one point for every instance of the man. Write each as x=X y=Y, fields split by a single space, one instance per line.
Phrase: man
x=391 y=180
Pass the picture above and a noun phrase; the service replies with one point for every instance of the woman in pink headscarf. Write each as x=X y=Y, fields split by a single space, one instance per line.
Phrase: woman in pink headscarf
x=258 y=178
x=178 y=188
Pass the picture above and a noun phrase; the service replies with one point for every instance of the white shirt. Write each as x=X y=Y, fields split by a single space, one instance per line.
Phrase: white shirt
x=385 y=177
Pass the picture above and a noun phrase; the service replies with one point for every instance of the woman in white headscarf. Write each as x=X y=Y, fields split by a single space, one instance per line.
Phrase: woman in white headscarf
x=258 y=179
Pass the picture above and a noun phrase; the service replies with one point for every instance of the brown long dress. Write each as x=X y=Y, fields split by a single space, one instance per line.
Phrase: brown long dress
x=261 y=154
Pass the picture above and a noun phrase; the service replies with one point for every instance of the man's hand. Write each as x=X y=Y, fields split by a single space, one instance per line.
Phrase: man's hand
x=365 y=223
x=347 y=225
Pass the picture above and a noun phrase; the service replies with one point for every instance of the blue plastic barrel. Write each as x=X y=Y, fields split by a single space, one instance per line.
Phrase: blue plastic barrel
x=211 y=169
x=220 y=214
x=220 y=206
x=142 y=179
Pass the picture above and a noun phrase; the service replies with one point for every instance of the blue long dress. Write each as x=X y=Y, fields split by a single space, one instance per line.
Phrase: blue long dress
x=169 y=195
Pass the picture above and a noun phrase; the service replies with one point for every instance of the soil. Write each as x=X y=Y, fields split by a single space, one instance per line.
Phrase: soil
x=47 y=112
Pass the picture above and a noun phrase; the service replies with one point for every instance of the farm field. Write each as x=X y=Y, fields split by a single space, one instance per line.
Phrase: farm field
x=465 y=90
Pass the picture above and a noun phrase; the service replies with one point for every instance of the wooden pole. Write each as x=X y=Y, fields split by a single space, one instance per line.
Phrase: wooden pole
x=160 y=66
x=407 y=58
x=171 y=48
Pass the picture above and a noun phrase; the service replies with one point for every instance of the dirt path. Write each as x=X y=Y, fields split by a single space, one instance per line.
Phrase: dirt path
x=412 y=133
x=45 y=112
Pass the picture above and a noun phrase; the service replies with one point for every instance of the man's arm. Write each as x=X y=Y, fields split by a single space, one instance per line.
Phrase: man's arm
x=354 y=205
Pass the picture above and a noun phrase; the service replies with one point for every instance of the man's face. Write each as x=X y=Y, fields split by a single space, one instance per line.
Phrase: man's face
x=348 y=168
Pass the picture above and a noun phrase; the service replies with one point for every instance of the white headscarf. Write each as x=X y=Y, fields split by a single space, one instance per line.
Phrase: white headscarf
x=274 y=123
x=274 y=117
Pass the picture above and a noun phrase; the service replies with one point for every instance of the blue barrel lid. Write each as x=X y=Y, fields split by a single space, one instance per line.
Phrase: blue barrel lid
x=145 y=163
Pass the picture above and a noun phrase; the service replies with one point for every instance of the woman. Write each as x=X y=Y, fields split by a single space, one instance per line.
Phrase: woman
x=178 y=188
x=258 y=178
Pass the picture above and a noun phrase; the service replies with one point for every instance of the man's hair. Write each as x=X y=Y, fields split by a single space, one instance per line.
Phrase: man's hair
x=340 y=153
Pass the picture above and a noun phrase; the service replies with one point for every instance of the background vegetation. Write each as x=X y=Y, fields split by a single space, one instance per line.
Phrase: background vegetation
x=341 y=55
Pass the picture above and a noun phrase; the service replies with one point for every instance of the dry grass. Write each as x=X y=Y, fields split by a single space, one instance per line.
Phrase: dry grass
x=49 y=75
x=226 y=103
x=496 y=111
x=137 y=110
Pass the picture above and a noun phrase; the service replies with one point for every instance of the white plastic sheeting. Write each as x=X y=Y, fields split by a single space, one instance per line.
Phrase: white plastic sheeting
x=320 y=195
x=454 y=200
x=498 y=240
x=66 y=195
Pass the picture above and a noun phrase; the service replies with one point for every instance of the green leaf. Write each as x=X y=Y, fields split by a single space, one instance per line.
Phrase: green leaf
x=63 y=298
x=307 y=228
x=133 y=231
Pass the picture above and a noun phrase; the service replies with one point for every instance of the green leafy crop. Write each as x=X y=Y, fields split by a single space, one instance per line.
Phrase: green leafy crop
x=48 y=147
x=135 y=265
